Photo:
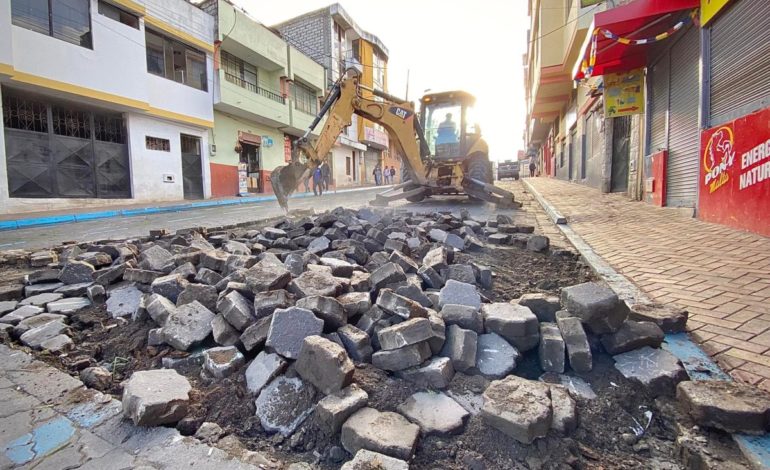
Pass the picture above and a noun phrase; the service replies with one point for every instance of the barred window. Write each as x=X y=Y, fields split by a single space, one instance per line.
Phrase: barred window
x=71 y=122
x=304 y=99
x=156 y=143
x=24 y=114
x=109 y=129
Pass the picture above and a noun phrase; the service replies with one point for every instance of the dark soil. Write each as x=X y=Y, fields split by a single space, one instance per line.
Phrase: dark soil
x=519 y=271
x=597 y=443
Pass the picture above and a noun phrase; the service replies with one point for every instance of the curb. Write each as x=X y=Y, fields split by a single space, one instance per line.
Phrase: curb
x=697 y=363
x=16 y=224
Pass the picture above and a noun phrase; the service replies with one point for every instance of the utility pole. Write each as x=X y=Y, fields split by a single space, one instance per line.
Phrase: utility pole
x=406 y=96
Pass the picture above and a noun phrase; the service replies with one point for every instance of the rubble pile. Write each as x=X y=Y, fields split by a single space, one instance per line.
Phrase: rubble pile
x=294 y=307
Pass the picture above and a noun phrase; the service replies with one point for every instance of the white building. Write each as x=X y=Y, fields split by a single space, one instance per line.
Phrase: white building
x=103 y=102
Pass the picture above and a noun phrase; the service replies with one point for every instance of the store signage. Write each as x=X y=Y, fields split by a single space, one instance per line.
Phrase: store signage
x=710 y=8
x=624 y=93
x=735 y=173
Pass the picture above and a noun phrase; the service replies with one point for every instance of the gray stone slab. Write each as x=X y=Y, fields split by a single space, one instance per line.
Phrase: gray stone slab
x=333 y=410
x=632 y=335
x=328 y=309
x=384 y=432
x=463 y=316
x=68 y=305
x=41 y=300
x=459 y=293
x=551 y=350
x=366 y=460
x=325 y=364
x=435 y=413
x=221 y=362
x=518 y=407
x=284 y=405
x=402 y=358
x=460 y=346
x=598 y=307
x=187 y=326
x=264 y=368
x=436 y=373
x=576 y=342
x=155 y=397
x=289 y=327
x=729 y=406
x=406 y=333
x=124 y=301
x=658 y=370
x=544 y=306
x=495 y=357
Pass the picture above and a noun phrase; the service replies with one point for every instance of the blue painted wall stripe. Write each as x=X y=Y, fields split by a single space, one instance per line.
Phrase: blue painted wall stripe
x=69 y=218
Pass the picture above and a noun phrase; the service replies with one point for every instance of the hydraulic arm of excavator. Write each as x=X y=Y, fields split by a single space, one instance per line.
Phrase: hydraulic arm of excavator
x=345 y=99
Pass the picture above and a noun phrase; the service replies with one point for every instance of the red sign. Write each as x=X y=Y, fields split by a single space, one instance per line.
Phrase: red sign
x=735 y=173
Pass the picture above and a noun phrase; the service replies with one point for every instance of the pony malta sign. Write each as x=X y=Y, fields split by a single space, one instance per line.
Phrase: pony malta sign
x=735 y=173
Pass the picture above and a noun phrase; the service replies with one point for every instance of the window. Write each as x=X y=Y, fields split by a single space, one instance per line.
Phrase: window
x=245 y=76
x=378 y=71
x=305 y=99
x=156 y=143
x=176 y=61
x=68 y=20
x=347 y=165
x=115 y=13
x=338 y=52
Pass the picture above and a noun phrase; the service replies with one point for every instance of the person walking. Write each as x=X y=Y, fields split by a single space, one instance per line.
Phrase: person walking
x=392 y=174
x=386 y=174
x=377 y=175
x=326 y=175
x=318 y=181
x=532 y=168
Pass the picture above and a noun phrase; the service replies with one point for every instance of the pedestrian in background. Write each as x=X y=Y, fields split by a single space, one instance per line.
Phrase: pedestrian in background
x=392 y=174
x=318 y=185
x=386 y=174
x=532 y=168
x=326 y=174
x=377 y=175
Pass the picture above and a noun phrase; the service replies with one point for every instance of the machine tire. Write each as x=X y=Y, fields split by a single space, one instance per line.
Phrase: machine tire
x=480 y=169
x=405 y=178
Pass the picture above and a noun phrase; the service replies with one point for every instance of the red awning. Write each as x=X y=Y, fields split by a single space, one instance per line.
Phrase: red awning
x=640 y=19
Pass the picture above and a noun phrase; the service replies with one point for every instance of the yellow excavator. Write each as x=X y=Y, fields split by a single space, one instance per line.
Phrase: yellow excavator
x=439 y=157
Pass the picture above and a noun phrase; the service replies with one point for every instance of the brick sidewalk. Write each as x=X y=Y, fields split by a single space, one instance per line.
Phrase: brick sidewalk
x=720 y=275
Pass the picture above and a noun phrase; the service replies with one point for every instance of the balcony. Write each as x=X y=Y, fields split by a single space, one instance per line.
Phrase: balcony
x=278 y=98
x=375 y=138
x=250 y=101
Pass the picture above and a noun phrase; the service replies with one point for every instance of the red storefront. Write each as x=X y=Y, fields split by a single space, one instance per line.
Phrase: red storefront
x=734 y=186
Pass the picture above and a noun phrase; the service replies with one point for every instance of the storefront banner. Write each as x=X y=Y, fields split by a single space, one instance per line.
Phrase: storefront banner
x=734 y=187
x=624 y=93
x=710 y=8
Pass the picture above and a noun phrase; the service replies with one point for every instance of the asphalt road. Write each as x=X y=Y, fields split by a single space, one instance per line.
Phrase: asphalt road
x=127 y=227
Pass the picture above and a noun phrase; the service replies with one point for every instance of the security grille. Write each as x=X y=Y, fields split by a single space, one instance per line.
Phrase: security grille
x=57 y=150
x=740 y=61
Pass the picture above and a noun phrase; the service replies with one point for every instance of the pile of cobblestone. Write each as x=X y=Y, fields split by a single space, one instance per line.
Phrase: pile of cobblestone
x=296 y=305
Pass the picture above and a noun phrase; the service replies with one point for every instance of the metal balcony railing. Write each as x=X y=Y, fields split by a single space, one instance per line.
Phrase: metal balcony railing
x=277 y=97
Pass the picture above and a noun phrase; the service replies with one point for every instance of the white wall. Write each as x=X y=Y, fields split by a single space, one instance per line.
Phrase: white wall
x=149 y=166
x=339 y=154
x=6 y=54
x=183 y=16
x=117 y=64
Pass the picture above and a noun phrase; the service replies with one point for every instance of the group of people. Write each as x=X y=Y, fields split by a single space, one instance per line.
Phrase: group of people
x=322 y=176
x=386 y=176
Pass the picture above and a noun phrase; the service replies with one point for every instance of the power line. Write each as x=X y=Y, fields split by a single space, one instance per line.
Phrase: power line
x=564 y=25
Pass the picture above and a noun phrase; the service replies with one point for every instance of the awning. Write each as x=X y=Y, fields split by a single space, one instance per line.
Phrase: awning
x=638 y=20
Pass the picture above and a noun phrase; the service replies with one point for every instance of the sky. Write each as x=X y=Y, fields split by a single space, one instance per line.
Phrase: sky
x=471 y=45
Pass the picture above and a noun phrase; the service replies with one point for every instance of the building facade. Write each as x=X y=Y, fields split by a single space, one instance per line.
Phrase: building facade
x=696 y=137
x=104 y=102
x=331 y=38
x=266 y=93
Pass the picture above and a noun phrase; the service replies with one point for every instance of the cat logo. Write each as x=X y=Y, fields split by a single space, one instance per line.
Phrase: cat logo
x=401 y=112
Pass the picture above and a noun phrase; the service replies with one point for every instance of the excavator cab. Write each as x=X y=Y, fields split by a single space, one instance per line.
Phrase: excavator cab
x=447 y=120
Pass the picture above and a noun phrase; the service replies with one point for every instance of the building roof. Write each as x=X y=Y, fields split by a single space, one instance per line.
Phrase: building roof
x=340 y=15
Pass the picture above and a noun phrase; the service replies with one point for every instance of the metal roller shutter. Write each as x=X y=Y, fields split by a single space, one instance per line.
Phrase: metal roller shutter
x=659 y=104
x=683 y=141
x=740 y=61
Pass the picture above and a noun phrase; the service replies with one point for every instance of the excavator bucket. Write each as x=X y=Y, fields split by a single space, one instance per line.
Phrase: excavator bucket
x=284 y=181
x=490 y=193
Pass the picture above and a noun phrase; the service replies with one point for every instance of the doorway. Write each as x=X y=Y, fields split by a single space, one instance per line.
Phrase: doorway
x=571 y=156
x=621 y=134
x=192 y=170
x=250 y=156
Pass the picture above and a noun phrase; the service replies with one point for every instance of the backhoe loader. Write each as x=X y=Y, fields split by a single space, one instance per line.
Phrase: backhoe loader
x=439 y=157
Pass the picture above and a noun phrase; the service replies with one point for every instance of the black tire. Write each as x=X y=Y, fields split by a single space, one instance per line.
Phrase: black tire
x=405 y=178
x=480 y=169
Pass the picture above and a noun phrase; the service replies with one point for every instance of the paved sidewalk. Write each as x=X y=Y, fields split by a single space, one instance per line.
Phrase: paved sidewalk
x=720 y=275
x=126 y=227
x=49 y=420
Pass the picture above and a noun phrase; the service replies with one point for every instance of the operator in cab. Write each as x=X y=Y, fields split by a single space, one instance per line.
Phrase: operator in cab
x=447 y=131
